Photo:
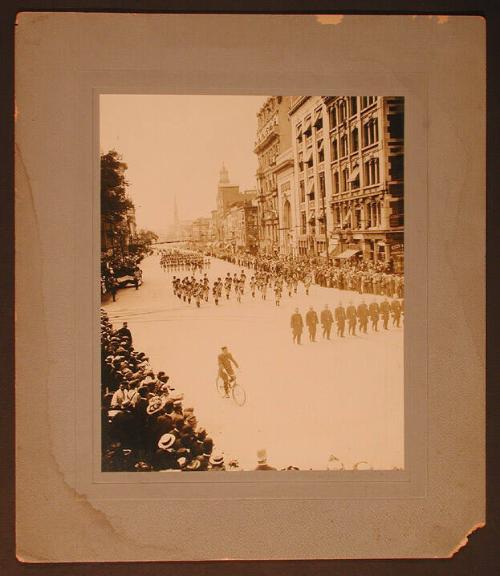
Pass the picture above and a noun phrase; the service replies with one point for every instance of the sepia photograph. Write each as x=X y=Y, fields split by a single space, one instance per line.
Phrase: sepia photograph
x=221 y=266
x=252 y=282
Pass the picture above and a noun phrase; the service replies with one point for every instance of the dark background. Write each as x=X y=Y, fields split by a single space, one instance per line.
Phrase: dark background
x=480 y=556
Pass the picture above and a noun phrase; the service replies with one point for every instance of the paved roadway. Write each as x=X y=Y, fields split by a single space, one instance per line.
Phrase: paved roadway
x=304 y=403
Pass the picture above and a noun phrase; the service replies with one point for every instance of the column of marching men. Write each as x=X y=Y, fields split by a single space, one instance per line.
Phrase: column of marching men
x=353 y=318
x=269 y=277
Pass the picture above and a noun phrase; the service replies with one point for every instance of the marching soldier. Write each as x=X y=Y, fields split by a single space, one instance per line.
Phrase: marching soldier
x=351 y=318
x=312 y=322
x=340 y=317
x=307 y=283
x=385 y=310
x=374 y=315
x=326 y=321
x=252 y=286
x=396 y=313
x=297 y=325
x=362 y=313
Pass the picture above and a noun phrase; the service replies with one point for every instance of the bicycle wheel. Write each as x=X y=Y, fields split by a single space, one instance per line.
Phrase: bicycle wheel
x=219 y=383
x=239 y=394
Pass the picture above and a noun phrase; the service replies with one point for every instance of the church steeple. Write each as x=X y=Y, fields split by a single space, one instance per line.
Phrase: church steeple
x=176 y=213
x=224 y=176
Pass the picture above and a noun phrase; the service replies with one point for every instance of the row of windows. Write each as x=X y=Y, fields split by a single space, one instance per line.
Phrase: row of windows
x=343 y=181
x=355 y=218
x=337 y=113
x=343 y=146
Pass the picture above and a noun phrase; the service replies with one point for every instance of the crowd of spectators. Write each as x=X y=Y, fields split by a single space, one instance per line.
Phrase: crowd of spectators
x=145 y=426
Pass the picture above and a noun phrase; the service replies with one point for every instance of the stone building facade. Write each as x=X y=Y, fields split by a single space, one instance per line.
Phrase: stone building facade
x=349 y=176
x=273 y=138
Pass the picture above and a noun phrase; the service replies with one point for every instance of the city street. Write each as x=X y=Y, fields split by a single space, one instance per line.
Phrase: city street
x=342 y=397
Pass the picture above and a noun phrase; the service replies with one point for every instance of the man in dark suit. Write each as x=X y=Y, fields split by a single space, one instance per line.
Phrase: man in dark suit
x=374 y=315
x=297 y=325
x=312 y=322
x=351 y=318
x=362 y=313
x=340 y=317
x=326 y=321
x=125 y=332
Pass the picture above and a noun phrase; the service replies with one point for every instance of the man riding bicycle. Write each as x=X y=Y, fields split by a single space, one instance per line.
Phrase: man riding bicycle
x=226 y=372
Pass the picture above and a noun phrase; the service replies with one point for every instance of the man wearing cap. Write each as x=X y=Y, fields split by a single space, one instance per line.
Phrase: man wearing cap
x=312 y=322
x=226 y=372
x=297 y=325
x=351 y=318
x=374 y=315
x=396 y=312
x=362 y=313
x=385 y=311
x=340 y=317
x=326 y=321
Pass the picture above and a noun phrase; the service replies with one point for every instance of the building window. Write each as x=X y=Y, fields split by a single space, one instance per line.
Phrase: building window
x=333 y=116
x=322 y=187
x=335 y=183
x=302 y=191
x=310 y=189
x=345 y=179
x=342 y=109
x=335 y=149
x=318 y=123
x=353 y=105
x=308 y=129
x=321 y=152
x=367 y=101
x=343 y=146
x=370 y=132
x=303 y=223
x=354 y=140
x=301 y=161
x=299 y=132
x=372 y=172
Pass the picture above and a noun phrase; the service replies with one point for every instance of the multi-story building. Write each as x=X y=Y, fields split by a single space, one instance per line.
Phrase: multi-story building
x=366 y=136
x=311 y=163
x=240 y=223
x=227 y=195
x=200 y=230
x=273 y=138
x=285 y=182
x=349 y=176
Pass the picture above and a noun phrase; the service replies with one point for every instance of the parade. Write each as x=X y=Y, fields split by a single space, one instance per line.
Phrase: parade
x=301 y=310
x=277 y=308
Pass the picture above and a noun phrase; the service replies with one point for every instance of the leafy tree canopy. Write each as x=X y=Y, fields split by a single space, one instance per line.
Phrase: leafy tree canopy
x=114 y=200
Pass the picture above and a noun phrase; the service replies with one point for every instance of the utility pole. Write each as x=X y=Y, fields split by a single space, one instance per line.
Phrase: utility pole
x=326 y=227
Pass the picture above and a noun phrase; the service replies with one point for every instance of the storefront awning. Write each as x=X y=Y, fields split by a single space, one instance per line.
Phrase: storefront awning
x=354 y=174
x=347 y=254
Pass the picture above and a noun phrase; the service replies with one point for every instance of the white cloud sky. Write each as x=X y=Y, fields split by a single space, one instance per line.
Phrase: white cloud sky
x=175 y=145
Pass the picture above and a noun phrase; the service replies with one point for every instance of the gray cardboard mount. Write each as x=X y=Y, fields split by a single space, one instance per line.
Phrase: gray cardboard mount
x=67 y=511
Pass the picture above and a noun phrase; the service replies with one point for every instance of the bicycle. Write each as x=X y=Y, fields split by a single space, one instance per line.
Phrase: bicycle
x=237 y=392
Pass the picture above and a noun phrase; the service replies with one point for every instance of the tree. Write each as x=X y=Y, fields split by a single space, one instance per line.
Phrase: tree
x=142 y=242
x=114 y=200
x=115 y=204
